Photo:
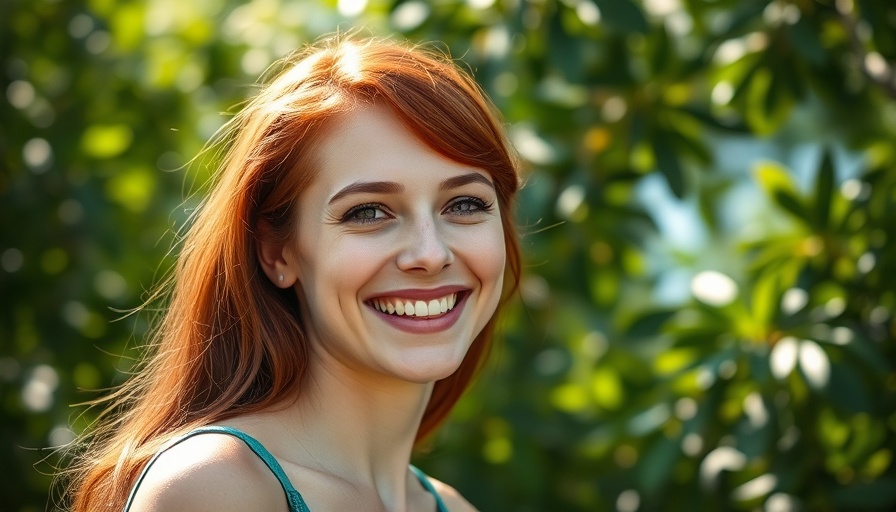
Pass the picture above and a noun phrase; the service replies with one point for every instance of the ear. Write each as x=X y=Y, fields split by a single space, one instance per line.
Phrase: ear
x=277 y=259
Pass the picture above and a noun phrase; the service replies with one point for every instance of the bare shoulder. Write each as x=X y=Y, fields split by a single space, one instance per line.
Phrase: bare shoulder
x=208 y=472
x=453 y=499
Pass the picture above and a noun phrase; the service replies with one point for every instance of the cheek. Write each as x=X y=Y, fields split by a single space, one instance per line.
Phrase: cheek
x=339 y=267
x=487 y=257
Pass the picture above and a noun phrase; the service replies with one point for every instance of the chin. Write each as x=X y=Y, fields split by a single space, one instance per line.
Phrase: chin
x=430 y=369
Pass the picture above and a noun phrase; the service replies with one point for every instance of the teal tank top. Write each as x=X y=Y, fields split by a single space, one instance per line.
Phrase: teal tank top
x=293 y=498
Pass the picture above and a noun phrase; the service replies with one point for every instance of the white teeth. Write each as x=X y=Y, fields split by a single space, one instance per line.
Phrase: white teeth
x=416 y=308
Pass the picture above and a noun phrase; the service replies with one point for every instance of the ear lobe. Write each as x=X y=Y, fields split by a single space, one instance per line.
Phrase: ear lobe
x=275 y=258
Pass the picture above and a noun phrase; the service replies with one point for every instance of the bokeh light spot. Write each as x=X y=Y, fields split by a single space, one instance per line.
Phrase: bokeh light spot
x=12 y=260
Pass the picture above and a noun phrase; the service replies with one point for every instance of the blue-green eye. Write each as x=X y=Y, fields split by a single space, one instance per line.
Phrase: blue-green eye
x=365 y=214
x=468 y=205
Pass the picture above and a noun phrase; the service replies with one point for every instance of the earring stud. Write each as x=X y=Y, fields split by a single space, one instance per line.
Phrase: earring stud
x=280 y=278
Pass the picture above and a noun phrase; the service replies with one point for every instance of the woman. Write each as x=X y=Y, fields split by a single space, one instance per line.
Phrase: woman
x=335 y=294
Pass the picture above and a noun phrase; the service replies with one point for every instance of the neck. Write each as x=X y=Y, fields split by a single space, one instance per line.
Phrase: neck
x=359 y=427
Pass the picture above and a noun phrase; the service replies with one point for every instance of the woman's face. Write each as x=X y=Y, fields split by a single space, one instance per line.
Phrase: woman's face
x=399 y=253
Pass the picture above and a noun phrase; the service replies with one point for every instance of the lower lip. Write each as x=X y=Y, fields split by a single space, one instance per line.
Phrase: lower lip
x=426 y=325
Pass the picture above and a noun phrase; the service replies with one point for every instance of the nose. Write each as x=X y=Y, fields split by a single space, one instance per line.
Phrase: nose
x=426 y=250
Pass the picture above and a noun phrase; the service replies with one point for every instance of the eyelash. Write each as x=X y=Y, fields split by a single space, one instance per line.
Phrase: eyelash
x=478 y=204
x=349 y=215
x=481 y=206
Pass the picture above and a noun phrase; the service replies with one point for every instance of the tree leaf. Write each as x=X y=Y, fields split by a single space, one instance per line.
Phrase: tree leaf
x=877 y=495
x=824 y=185
x=805 y=40
x=623 y=15
x=656 y=464
x=565 y=51
x=846 y=390
x=649 y=323
x=792 y=204
x=779 y=187
x=669 y=164
x=764 y=300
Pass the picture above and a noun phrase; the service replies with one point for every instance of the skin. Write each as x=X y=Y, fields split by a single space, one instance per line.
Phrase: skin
x=346 y=442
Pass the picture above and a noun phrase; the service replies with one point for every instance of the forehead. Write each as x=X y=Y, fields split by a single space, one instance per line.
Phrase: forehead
x=371 y=143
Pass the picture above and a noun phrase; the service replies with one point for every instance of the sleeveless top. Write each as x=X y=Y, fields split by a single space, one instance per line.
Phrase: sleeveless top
x=293 y=498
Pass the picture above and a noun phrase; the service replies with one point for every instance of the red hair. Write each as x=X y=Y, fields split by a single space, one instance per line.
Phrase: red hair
x=230 y=342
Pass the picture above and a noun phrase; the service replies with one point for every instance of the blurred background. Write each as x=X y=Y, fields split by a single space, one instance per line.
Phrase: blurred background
x=706 y=320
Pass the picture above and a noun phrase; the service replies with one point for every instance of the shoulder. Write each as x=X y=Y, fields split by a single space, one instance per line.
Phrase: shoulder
x=453 y=499
x=208 y=472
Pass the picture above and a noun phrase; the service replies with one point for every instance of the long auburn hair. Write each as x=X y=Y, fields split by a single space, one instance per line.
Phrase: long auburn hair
x=230 y=342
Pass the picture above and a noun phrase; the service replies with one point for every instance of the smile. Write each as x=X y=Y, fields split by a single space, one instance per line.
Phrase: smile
x=415 y=308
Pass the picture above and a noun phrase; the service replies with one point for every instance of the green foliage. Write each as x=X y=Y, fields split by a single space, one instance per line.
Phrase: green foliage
x=707 y=316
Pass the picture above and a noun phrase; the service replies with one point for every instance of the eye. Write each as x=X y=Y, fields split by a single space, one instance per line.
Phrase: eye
x=365 y=214
x=467 y=205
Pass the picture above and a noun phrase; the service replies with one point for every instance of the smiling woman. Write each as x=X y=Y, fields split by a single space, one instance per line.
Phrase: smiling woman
x=335 y=294
x=429 y=230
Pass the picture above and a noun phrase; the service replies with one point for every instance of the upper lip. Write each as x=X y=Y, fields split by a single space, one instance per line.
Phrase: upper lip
x=420 y=293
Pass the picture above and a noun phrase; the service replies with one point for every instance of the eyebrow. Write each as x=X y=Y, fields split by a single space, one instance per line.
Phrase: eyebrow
x=464 y=179
x=369 y=187
x=391 y=187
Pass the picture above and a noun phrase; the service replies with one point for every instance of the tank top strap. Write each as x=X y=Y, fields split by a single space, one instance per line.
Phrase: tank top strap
x=424 y=481
x=293 y=498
